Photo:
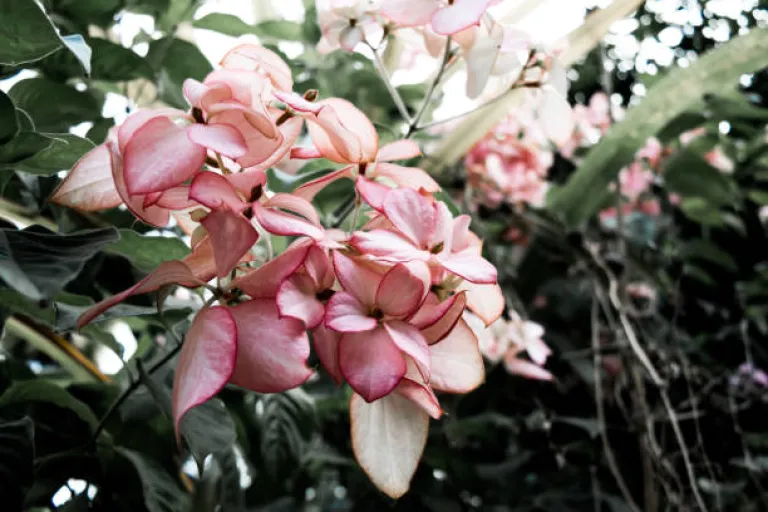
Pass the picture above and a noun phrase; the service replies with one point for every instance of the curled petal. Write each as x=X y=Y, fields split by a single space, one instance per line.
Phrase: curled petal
x=484 y=300
x=310 y=189
x=265 y=281
x=460 y=15
x=372 y=193
x=294 y=204
x=421 y=395
x=305 y=153
x=216 y=192
x=456 y=361
x=371 y=363
x=388 y=438
x=272 y=352
x=387 y=246
x=436 y=318
x=403 y=288
x=285 y=224
x=412 y=214
x=203 y=96
x=290 y=130
x=160 y=155
x=343 y=133
x=219 y=138
x=470 y=266
x=232 y=236
x=170 y=272
x=344 y=313
x=261 y=146
x=89 y=186
x=153 y=215
x=410 y=177
x=326 y=343
x=525 y=368
x=356 y=278
x=140 y=118
x=251 y=57
x=319 y=269
x=398 y=150
x=296 y=299
x=176 y=198
x=206 y=362
x=298 y=103
x=408 y=339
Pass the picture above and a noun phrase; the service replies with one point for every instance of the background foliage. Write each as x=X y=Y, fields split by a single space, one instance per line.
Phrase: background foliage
x=511 y=445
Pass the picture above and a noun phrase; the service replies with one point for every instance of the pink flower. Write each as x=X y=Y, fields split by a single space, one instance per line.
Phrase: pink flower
x=635 y=180
x=424 y=230
x=344 y=23
x=372 y=314
x=445 y=17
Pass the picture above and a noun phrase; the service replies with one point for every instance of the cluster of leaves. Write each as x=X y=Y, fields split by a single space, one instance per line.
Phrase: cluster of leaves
x=513 y=444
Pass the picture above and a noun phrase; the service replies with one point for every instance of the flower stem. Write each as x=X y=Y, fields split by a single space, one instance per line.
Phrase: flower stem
x=396 y=98
x=414 y=124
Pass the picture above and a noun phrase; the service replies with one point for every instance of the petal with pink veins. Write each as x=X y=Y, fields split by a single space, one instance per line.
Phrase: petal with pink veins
x=344 y=313
x=388 y=438
x=153 y=215
x=310 y=189
x=272 y=352
x=305 y=153
x=294 y=204
x=343 y=133
x=203 y=96
x=176 y=198
x=372 y=193
x=160 y=155
x=251 y=57
x=421 y=395
x=412 y=214
x=139 y=118
x=260 y=146
x=410 y=177
x=469 y=266
x=206 y=362
x=89 y=186
x=403 y=289
x=265 y=281
x=525 y=368
x=285 y=224
x=398 y=150
x=484 y=300
x=436 y=318
x=326 y=343
x=290 y=130
x=459 y=15
x=371 y=363
x=296 y=299
x=408 y=339
x=232 y=236
x=410 y=13
x=357 y=278
x=214 y=191
x=387 y=246
x=456 y=361
x=170 y=272
x=219 y=138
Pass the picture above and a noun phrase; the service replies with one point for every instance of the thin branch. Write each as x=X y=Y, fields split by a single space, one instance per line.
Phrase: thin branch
x=597 y=364
x=414 y=124
x=396 y=98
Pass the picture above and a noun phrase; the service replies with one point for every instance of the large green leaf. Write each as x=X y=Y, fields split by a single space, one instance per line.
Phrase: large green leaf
x=23 y=146
x=148 y=252
x=276 y=30
x=160 y=492
x=9 y=126
x=174 y=61
x=54 y=107
x=38 y=390
x=287 y=422
x=60 y=154
x=17 y=453
x=677 y=92
x=39 y=263
x=114 y=62
x=26 y=33
x=689 y=175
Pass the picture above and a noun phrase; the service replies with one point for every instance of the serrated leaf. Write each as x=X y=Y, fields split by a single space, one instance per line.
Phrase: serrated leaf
x=672 y=95
x=17 y=453
x=147 y=252
x=39 y=263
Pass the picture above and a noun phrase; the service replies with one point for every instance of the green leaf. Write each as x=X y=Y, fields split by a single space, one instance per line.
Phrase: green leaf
x=10 y=126
x=707 y=250
x=275 y=30
x=14 y=302
x=174 y=61
x=61 y=154
x=26 y=33
x=670 y=97
x=286 y=427
x=17 y=454
x=39 y=263
x=80 y=49
x=24 y=145
x=39 y=390
x=160 y=491
x=147 y=252
x=54 y=107
x=113 y=62
x=758 y=196
x=689 y=175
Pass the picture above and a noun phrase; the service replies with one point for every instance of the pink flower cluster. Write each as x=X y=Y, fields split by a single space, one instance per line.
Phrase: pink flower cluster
x=488 y=47
x=507 y=340
x=511 y=163
x=382 y=305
